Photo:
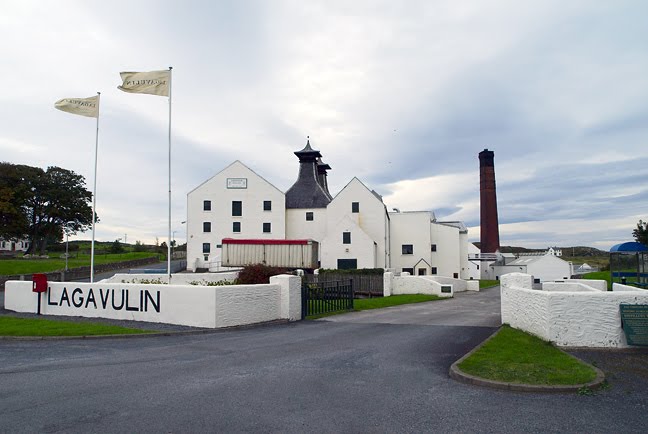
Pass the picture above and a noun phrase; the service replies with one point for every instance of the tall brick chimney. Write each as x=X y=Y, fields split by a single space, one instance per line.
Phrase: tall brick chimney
x=488 y=203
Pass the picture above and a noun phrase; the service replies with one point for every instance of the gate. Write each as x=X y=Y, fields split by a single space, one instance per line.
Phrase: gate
x=324 y=297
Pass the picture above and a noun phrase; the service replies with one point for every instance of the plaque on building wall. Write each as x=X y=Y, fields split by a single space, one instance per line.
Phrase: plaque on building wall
x=634 y=321
x=236 y=182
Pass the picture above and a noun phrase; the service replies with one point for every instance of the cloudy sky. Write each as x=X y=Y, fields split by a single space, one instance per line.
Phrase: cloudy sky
x=403 y=95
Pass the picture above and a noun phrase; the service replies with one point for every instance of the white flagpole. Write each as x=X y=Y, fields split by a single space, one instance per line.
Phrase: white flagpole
x=94 y=194
x=169 y=242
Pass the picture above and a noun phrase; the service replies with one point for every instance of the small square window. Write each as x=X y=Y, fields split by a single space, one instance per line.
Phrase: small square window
x=236 y=227
x=206 y=226
x=422 y=271
x=206 y=247
x=309 y=216
x=433 y=248
x=407 y=249
x=267 y=228
x=346 y=237
x=237 y=208
x=206 y=257
x=455 y=275
x=206 y=205
x=267 y=205
x=434 y=270
x=355 y=207
x=408 y=270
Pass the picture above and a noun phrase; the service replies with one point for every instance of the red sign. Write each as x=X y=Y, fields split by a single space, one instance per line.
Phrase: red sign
x=39 y=283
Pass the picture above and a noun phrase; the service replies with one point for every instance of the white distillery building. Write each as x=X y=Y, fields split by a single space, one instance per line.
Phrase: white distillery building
x=353 y=229
x=543 y=268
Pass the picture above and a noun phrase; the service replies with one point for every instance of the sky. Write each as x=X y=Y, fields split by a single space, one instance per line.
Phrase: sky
x=403 y=95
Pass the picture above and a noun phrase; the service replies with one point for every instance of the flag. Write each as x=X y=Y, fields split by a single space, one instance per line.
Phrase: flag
x=80 y=106
x=153 y=83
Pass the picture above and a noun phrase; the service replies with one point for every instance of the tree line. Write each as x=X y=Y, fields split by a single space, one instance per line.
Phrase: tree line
x=40 y=205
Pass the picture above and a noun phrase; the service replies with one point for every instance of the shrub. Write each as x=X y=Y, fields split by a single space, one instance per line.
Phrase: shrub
x=258 y=274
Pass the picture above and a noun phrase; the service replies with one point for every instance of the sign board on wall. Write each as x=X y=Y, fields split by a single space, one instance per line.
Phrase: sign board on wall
x=634 y=321
x=236 y=182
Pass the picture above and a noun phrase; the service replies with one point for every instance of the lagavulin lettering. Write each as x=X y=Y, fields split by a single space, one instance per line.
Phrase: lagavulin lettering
x=107 y=299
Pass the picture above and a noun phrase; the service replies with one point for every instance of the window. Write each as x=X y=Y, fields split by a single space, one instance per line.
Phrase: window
x=267 y=205
x=236 y=227
x=408 y=249
x=206 y=205
x=408 y=270
x=206 y=247
x=309 y=216
x=433 y=247
x=455 y=275
x=206 y=226
x=237 y=208
x=206 y=257
x=434 y=270
x=347 y=264
x=422 y=271
x=355 y=207
x=346 y=237
x=267 y=228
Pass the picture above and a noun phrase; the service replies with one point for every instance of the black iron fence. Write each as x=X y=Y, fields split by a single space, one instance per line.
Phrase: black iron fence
x=364 y=285
x=323 y=297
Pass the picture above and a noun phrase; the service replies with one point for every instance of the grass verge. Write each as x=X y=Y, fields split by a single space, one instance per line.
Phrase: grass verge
x=381 y=302
x=488 y=283
x=513 y=356
x=10 y=326
x=28 y=266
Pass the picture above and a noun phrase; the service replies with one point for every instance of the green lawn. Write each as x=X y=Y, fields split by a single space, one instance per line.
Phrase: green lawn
x=28 y=266
x=10 y=326
x=488 y=283
x=381 y=302
x=517 y=357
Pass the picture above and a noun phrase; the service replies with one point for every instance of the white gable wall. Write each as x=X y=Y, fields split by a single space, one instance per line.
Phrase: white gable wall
x=371 y=217
x=549 y=267
x=362 y=247
x=253 y=216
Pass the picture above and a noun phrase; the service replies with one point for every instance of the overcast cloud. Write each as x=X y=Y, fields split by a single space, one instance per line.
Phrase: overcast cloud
x=403 y=95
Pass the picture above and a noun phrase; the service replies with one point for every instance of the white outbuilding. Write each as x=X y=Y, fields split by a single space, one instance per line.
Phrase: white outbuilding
x=542 y=268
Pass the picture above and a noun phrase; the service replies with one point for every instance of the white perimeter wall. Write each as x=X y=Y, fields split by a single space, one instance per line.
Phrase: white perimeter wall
x=198 y=306
x=576 y=319
x=215 y=189
x=406 y=284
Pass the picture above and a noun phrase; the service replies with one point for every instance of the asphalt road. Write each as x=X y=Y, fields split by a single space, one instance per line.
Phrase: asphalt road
x=348 y=375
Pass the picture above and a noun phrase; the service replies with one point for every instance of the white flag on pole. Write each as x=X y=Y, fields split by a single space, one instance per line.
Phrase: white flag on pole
x=153 y=82
x=80 y=106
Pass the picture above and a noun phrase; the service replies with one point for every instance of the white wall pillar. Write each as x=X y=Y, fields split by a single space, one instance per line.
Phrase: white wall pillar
x=388 y=282
x=290 y=304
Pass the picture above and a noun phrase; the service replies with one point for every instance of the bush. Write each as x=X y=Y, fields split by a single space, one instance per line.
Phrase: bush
x=139 y=247
x=116 y=247
x=258 y=274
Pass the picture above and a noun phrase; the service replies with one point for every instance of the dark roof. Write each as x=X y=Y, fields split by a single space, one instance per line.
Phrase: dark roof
x=307 y=192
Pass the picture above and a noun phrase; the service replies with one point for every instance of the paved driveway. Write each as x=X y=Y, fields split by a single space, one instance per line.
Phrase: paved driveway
x=310 y=376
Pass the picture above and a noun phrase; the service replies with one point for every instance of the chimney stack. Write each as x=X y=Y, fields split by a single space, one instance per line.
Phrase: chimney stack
x=488 y=203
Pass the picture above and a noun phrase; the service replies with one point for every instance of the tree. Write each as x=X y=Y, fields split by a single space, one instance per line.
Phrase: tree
x=37 y=204
x=116 y=247
x=641 y=232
